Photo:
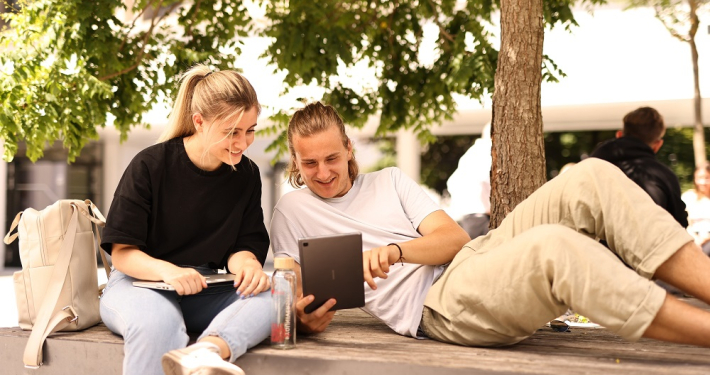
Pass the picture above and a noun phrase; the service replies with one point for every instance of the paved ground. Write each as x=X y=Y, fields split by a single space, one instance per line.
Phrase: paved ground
x=8 y=311
x=356 y=343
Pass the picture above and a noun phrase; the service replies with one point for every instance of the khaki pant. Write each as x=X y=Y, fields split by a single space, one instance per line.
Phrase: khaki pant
x=545 y=257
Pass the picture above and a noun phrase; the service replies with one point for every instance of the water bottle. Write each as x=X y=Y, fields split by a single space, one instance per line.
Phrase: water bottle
x=283 y=299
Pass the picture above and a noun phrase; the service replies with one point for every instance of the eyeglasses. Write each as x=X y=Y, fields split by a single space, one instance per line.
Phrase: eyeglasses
x=559 y=326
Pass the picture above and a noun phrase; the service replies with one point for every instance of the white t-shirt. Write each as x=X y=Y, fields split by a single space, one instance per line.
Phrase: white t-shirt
x=386 y=207
x=470 y=185
x=698 y=213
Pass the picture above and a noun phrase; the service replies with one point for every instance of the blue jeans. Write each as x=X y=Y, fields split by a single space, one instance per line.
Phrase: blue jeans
x=154 y=322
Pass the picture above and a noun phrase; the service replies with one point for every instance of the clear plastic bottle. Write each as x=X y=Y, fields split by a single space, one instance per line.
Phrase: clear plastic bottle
x=283 y=297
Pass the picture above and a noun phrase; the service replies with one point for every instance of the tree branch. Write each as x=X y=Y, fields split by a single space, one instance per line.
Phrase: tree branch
x=188 y=32
x=442 y=30
x=670 y=29
x=694 y=20
x=133 y=24
x=144 y=43
x=335 y=10
x=366 y=24
x=391 y=22
x=444 y=33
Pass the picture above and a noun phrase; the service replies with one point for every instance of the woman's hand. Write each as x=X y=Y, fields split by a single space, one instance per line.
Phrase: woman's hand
x=251 y=279
x=186 y=281
x=135 y=263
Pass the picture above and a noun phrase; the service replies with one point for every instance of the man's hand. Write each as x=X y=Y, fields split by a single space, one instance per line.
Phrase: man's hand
x=251 y=279
x=186 y=281
x=318 y=320
x=376 y=263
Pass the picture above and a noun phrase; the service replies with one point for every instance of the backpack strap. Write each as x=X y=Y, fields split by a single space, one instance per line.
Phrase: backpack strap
x=46 y=322
x=96 y=212
x=99 y=221
x=8 y=238
x=104 y=261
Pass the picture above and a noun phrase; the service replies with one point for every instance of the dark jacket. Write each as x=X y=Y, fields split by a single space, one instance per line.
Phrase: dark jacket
x=638 y=161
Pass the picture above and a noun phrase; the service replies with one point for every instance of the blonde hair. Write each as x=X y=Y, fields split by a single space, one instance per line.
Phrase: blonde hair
x=313 y=119
x=211 y=94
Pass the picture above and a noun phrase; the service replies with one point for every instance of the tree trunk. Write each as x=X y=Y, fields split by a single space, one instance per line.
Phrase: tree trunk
x=518 y=152
x=698 y=130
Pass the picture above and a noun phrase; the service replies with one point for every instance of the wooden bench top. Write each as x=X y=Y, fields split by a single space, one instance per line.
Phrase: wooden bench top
x=356 y=343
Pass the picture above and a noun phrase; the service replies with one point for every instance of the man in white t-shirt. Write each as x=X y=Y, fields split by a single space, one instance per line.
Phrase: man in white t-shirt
x=423 y=279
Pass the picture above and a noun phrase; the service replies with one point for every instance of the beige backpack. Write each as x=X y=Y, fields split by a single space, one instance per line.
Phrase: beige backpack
x=57 y=289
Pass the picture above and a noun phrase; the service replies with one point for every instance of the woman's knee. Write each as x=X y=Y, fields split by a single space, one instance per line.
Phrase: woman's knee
x=165 y=330
x=263 y=300
x=142 y=312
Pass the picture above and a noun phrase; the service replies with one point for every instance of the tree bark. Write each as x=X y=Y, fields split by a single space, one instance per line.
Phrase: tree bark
x=698 y=129
x=518 y=153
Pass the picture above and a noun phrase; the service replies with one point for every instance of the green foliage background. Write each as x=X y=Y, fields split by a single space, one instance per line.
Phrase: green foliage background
x=676 y=152
x=72 y=66
x=440 y=159
x=313 y=40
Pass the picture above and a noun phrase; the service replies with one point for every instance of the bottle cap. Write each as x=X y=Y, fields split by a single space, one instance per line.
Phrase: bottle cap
x=284 y=263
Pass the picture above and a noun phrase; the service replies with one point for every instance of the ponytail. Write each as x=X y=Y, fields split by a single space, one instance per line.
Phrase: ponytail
x=180 y=120
x=212 y=94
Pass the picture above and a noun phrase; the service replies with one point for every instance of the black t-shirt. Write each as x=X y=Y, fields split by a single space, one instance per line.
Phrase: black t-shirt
x=174 y=211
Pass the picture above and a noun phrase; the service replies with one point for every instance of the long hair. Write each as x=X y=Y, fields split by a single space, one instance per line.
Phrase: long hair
x=315 y=118
x=213 y=95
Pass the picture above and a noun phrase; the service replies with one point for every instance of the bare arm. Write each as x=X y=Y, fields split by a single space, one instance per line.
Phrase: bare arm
x=441 y=240
x=135 y=263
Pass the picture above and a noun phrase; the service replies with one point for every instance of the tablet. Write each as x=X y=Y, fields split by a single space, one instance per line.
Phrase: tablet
x=331 y=267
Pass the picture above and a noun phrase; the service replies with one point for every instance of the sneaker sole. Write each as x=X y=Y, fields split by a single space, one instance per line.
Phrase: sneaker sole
x=172 y=366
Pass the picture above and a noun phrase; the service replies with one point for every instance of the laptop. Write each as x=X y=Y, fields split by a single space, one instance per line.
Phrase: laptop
x=217 y=279
x=331 y=267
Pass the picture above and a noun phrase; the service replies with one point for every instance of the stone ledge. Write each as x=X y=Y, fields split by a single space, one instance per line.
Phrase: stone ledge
x=356 y=343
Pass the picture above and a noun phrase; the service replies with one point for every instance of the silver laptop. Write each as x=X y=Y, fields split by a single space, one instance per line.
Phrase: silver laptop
x=217 y=279
x=331 y=267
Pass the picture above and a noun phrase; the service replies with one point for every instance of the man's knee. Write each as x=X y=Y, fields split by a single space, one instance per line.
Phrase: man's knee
x=595 y=166
x=550 y=232
x=554 y=241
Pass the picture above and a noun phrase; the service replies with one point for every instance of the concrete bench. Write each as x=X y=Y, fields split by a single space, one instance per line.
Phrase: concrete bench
x=356 y=343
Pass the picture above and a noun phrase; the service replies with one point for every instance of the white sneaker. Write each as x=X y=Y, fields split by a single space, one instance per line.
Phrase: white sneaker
x=201 y=358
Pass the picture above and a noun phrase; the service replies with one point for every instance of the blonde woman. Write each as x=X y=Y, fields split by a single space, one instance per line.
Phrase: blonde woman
x=186 y=207
x=697 y=202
